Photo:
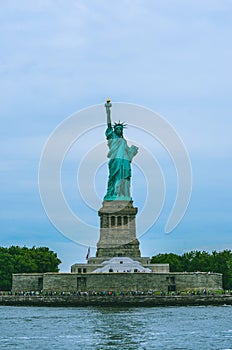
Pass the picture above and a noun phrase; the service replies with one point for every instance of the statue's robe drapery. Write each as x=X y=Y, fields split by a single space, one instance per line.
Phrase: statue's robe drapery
x=120 y=155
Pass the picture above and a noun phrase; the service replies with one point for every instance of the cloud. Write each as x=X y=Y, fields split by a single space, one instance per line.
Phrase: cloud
x=147 y=42
x=171 y=56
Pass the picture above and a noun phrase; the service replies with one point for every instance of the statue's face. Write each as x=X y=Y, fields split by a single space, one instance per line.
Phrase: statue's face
x=118 y=131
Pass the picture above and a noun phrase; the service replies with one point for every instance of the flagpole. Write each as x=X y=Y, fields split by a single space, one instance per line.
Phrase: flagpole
x=88 y=254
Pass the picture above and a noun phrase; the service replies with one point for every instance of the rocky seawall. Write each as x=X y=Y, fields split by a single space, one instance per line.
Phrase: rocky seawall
x=114 y=300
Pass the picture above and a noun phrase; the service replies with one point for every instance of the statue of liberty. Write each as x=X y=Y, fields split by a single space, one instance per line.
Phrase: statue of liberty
x=120 y=155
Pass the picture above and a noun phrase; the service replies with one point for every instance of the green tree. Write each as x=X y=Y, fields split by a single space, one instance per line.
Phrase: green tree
x=196 y=261
x=220 y=262
x=174 y=261
x=6 y=269
x=17 y=259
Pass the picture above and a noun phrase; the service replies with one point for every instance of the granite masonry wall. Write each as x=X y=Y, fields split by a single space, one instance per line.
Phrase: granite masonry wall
x=90 y=267
x=27 y=281
x=117 y=281
x=118 y=230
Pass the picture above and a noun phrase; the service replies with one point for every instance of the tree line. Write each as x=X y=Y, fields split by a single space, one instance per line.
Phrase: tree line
x=200 y=261
x=17 y=259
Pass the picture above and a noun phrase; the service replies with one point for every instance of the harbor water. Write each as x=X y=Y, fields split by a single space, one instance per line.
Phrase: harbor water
x=187 y=328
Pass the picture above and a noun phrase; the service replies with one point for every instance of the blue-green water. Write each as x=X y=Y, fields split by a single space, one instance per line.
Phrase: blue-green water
x=188 y=328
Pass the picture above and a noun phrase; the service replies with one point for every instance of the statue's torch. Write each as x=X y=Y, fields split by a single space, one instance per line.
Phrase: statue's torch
x=108 y=105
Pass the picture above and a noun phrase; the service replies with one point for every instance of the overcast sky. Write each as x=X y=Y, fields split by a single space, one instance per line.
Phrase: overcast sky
x=173 y=57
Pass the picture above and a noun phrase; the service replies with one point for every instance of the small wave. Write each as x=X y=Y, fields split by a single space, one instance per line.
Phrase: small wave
x=68 y=336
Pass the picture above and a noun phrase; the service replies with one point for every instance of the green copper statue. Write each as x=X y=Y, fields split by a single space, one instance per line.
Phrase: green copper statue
x=120 y=155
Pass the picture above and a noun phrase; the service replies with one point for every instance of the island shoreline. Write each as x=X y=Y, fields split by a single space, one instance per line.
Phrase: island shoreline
x=115 y=300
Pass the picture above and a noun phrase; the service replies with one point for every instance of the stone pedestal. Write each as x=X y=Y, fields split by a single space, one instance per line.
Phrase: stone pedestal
x=117 y=230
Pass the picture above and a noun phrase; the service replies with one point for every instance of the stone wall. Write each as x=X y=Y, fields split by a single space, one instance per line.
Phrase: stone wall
x=27 y=281
x=144 y=260
x=60 y=281
x=158 y=268
x=198 y=280
x=117 y=281
x=95 y=264
x=84 y=268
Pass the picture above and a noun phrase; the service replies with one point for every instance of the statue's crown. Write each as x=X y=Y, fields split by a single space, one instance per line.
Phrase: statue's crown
x=120 y=125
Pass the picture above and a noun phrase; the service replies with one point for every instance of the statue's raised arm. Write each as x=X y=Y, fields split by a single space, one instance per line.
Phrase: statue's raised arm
x=108 y=105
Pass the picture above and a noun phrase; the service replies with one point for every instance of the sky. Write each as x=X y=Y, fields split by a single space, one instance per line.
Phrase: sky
x=61 y=57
